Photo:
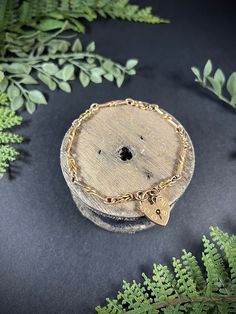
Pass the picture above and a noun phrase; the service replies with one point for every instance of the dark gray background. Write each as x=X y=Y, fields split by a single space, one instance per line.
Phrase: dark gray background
x=52 y=260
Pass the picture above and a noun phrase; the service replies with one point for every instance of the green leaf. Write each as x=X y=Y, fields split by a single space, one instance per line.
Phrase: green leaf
x=30 y=107
x=17 y=103
x=47 y=81
x=196 y=72
x=207 y=69
x=49 y=24
x=231 y=84
x=65 y=87
x=109 y=77
x=216 y=85
x=50 y=68
x=95 y=78
x=219 y=76
x=131 y=72
x=3 y=84
x=87 y=66
x=18 y=68
x=52 y=85
x=28 y=79
x=58 y=45
x=116 y=72
x=108 y=65
x=130 y=64
x=84 y=78
x=1 y=76
x=68 y=72
x=63 y=46
x=98 y=71
x=61 y=61
x=120 y=80
x=13 y=91
x=40 y=49
x=57 y=15
x=90 y=60
x=37 y=97
x=59 y=74
x=90 y=47
x=233 y=100
x=28 y=68
x=77 y=46
x=77 y=26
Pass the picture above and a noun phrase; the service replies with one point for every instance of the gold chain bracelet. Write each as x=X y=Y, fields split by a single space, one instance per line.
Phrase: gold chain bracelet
x=152 y=204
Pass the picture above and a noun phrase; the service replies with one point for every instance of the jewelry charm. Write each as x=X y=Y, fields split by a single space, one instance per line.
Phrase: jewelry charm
x=158 y=210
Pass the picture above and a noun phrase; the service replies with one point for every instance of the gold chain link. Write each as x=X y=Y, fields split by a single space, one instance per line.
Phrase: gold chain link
x=141 y=195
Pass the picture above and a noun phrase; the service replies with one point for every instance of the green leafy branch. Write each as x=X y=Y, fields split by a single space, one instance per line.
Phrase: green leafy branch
x=8 y=119
x=187 y=290
x=55 y=62
x=30 y=54
x=216 y=83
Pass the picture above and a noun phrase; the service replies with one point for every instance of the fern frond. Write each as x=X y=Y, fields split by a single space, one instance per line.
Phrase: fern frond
x=125 y=11
x=194 y=270
x=187 y=291
x=228 y=246
x=49 y=13
x=230 y=251
x=217 y=280
x=184 y=284
x=218 y=236
x=161 y=285
x=3 y=6
x=8 y=119
x=8 y=14
x=7 y=137
x=8 y=154
x=133 y=295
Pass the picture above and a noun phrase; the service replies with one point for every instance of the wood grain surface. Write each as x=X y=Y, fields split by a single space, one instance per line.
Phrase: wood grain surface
x=125 y=149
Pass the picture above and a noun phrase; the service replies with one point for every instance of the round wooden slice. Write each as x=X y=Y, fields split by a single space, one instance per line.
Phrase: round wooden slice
x=124 y=149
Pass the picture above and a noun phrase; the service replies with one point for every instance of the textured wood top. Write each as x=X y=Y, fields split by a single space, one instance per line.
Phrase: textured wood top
x=149 y=145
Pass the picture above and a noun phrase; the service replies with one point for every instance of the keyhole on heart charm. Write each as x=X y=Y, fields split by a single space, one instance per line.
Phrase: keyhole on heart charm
x=158 y=212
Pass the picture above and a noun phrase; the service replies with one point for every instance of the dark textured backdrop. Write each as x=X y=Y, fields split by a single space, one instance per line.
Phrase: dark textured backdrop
x=52 y=260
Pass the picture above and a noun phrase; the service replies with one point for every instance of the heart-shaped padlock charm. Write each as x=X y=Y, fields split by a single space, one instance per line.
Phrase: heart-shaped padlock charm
x=157 y=211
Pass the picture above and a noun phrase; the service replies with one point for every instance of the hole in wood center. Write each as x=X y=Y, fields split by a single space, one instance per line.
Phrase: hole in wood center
x=125 y=153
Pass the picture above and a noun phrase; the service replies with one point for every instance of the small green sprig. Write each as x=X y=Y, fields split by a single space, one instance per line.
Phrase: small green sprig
x=186 y=289
x=8 y=119
x=54 y=61
x=217 y=82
